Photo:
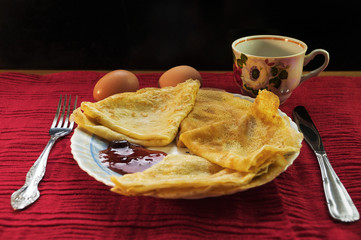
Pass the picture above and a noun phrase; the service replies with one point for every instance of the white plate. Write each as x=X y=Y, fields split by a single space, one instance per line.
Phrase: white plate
x=85 y=148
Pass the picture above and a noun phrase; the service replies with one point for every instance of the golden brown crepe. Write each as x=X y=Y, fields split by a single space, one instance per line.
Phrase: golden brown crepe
x=191 y=177
x=92 y=126
x=212 y=106
x=150 y=116
x=248 y=143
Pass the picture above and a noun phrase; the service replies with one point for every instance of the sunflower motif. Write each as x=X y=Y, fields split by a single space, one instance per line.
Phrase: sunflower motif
x=252 y=74
x=255 y=74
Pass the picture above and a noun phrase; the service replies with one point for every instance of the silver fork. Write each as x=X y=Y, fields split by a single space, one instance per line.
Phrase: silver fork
x=29 y=193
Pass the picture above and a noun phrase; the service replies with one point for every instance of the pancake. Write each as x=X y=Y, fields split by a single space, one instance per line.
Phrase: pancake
x=248 y=143
x=91 y=125
x=212 y=106
x=191 y=177
x=150 y=116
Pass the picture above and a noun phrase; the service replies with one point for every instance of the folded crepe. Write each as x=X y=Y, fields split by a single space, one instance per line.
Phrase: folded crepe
x=247 y=143
x=212 y=106
x=150 y=116
x=191 y=177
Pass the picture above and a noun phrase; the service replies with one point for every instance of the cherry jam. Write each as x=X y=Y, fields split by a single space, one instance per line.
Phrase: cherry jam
x=124 y=157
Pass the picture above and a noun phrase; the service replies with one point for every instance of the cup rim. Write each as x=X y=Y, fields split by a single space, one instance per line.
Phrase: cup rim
x=271 y=37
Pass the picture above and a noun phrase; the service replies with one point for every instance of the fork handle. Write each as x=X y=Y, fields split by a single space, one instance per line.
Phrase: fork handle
x=29 y=192
x=339 y=202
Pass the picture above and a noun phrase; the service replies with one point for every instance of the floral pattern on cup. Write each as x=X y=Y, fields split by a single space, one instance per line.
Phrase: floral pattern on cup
x=253 y=74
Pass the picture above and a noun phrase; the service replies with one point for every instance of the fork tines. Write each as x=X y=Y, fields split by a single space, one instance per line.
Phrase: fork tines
x=62 y=105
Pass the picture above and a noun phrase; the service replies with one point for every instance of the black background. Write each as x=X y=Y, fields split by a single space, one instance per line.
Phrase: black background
x=156 y=35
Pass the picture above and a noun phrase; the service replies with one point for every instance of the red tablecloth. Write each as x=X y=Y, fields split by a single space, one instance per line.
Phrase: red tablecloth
x=74 y=205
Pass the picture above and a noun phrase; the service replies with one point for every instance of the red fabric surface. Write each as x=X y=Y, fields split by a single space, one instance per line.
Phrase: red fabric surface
x=74 y=205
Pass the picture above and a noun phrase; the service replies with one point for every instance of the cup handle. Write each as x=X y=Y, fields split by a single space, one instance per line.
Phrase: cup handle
x=317 y=71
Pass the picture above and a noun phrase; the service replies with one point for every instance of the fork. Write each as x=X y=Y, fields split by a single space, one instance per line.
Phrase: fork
x=60 y=127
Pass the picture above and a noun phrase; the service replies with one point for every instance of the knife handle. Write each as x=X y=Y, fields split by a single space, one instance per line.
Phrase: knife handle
x=339 y=202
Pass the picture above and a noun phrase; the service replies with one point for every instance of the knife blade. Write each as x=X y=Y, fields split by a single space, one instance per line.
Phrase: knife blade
x=339 y=202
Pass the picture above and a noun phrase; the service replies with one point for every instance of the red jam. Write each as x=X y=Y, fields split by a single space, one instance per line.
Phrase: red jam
x=124 y=157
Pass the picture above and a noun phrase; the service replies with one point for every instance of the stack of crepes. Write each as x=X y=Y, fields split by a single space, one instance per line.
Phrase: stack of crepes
x=236 y=144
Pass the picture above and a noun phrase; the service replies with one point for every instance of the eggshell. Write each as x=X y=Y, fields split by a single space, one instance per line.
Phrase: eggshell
x=117 y=81
x=179 y=74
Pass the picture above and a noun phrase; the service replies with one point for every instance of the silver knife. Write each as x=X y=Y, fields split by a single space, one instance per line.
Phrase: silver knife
x=339 y=202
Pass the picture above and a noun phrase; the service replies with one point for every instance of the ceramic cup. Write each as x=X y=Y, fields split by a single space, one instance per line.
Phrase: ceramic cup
x=272 y=62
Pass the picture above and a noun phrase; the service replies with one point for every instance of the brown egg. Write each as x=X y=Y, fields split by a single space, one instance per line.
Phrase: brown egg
x=177 y=75
x=117 y=81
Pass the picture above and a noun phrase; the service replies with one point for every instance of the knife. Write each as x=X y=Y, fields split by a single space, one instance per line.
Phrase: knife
x=339 y=202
